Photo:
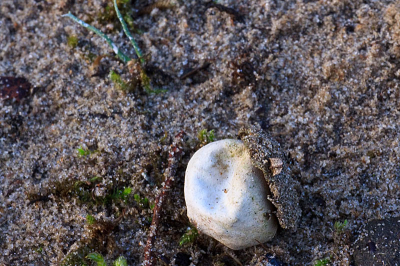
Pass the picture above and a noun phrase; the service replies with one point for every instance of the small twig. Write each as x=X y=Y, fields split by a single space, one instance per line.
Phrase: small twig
x=233 y=256
x=174 y=156
x=262 y=245
x=194 y=71
x=162 y=5
x=41 y=198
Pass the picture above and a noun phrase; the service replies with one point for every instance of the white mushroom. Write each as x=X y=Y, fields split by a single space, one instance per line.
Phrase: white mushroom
x=227 y=197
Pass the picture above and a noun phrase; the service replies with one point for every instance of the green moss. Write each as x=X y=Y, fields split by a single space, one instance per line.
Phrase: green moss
x=142 y=202
x=118 y=82
x=72 y=41
x=98 y=258
x=145 y=81
x=322 y=262
x=121 y=261
x=77 y=257
x=205 y=136
x=84 y=191
x=339 y=226
x=121 y=194
x=91 y=56
x=189 y=237
x=90 y=220
x=82 y=152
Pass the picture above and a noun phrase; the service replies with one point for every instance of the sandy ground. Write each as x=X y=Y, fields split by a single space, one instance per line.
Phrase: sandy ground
x=322 y=77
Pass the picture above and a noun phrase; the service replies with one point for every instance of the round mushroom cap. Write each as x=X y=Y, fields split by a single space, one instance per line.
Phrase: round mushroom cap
x=227 y=196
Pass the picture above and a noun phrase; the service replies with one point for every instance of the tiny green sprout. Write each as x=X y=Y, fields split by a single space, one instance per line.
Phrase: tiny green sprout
x=322 y=262
x=121 y=194
x=98 y=258
x=117 y=80
x=39 y=250
x=72 y=41
x=206 y=136
x=189 y=237
x=142 y=202
x=121 y=261
x=90 y=219
x=82 y=152
x=127 y=191
x=339 y=226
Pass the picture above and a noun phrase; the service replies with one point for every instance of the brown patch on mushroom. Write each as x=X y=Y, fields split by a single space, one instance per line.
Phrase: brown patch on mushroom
x=268 y=156
x=276 y=166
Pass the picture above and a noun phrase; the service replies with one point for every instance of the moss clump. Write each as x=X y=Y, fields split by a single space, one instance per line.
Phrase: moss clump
x=322 y=262
x=99 y=238
x=90 y=220
x=120 y=83
x=189 y=237
x=142 y=202
x=339 y=226
x=84 y=191
x=121 y=261
x=83 y=152
x=72 y=41
x=205 y=136
x=121 y=194
x=99 y=259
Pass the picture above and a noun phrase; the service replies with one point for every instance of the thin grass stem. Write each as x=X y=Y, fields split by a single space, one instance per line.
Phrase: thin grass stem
x=128 y=34
x=117 y=51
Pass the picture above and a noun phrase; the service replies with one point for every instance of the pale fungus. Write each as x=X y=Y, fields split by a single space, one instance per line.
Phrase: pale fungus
x=234 y=190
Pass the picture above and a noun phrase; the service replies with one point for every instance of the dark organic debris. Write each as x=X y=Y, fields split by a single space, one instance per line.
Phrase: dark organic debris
x=14 y=88
x=40 y=198
x=190 y=72
x=378 y=243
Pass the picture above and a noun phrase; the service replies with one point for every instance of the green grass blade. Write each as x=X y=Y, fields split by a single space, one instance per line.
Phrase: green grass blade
x=120 y=55
x=128 y=33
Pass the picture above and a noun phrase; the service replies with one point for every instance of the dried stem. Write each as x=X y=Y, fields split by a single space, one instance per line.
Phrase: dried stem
x=174 y=156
